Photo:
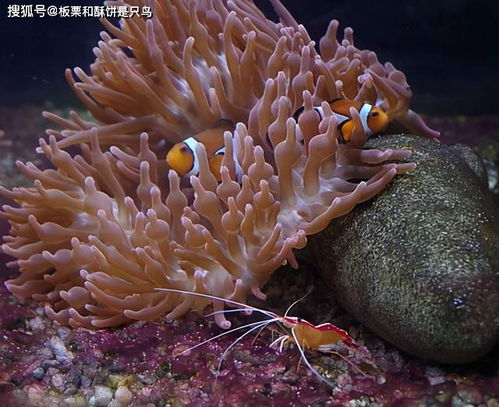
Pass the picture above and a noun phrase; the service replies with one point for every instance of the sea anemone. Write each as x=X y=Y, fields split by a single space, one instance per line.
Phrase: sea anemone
x=97 y=235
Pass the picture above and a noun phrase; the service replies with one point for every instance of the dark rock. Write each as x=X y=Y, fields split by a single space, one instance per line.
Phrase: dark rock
x=472 y=159
x=419 y=264
x=145 y=379
x=50 y=363
x=38 y=373
x=85 y=382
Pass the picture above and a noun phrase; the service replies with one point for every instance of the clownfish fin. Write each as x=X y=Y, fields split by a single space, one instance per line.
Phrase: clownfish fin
x=224 y=124
x=212 y=139
x=346 y=131
x=342 y=106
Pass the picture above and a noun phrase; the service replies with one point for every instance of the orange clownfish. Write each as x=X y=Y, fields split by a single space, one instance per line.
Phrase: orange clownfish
x=183 y=157
x=373 y=118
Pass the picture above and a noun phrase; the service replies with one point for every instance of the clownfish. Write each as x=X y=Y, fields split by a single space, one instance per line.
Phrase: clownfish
x=373 y=118
x=183 y=157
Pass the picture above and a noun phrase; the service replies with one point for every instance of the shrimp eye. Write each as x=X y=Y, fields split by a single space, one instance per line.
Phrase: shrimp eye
x=374 y=114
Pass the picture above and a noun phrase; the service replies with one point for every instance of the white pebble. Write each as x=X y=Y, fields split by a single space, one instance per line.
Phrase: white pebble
x=58 y=347
x=123 y=395
x=102 y=396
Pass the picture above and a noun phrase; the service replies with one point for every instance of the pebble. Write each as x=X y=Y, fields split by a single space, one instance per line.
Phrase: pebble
x=44 y=353
x=76 y=401
x=58 y=381
x=36 y=324
x=63 y=332
x=50 y=363
x=39 y=373
x=20 y=397
x=102 y=396
x=470 y=396
x=116 y=368
x=35 y=395
x=85 y=382
x=113 y=380
x=435 y=375
x=51 y=401
x=59 y=349
x=145 y=379
x=461 y=400
x=123 y=395
x=70 y=390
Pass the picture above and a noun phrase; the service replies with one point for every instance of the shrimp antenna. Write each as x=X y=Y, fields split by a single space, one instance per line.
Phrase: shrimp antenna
x=228 y=311
x=257 y=325
x=214 y=298
x=350 y=363
x=304 y=357
x=258 y=334
x=252 y=324
x=296 y=302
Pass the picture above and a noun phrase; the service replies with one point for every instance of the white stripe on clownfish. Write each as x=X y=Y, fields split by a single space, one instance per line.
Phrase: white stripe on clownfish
x=184 y=159
x=364 y=114
x=191 y=143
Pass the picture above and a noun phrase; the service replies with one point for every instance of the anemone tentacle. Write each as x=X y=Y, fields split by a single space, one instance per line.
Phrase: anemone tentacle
x=98 y=234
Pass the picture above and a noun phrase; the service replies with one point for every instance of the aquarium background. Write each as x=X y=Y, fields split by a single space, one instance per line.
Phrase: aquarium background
x=447 y=48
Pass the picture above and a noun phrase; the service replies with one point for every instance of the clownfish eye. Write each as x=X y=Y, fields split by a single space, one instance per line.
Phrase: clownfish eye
x=374 y=114
x=183 y=149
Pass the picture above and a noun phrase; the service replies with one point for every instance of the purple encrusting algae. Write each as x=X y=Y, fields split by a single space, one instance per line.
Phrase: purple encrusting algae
x=45 y=364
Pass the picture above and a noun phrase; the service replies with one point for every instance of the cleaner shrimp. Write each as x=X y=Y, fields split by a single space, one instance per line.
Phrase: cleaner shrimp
x=325 y=338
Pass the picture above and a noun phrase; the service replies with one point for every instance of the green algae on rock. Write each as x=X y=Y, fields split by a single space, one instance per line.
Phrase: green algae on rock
x=419 y=264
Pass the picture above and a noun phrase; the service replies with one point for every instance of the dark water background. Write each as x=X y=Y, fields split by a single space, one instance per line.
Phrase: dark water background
x=448 y=48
